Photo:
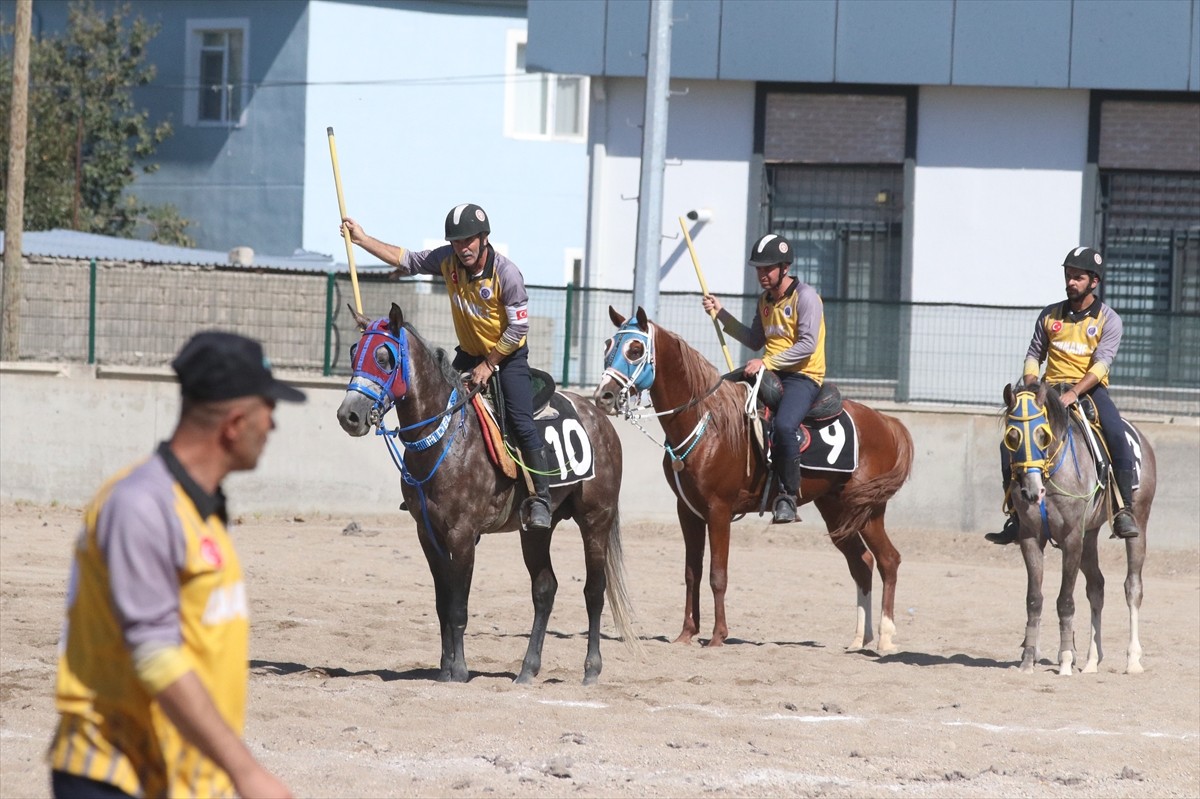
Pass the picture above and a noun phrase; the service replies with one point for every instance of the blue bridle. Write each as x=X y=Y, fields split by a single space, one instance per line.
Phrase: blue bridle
x=631 y=366
x=1029 y=437
x=381 y=373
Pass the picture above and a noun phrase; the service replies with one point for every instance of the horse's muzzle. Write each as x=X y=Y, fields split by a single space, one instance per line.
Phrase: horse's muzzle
x=605 y=399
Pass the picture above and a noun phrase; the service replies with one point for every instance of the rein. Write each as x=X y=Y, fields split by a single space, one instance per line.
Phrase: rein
x=640 y=378
x=379 y=387
x=1038 y=458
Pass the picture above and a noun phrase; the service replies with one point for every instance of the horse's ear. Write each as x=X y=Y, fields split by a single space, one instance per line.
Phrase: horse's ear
x=395 y=319
x=359 y=319
x=1042 y=389
x=643 y=322
x=1008 y=395
x=615 y=316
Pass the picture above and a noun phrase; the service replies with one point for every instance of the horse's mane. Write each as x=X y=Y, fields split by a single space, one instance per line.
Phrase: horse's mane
x=444 y=364
x=699 y=375
x=1056 y=413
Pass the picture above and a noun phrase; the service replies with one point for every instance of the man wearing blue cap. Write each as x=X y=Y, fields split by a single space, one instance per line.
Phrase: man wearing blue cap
x=154 y=656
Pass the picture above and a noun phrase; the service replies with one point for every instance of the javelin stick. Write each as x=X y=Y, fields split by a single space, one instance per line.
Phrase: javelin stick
x=337 y=181
x=704 y=288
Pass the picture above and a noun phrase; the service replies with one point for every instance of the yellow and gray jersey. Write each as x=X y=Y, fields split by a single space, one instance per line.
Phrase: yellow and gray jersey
x=1074 y=344
x=490 y=310
x=792 y=331
x=153 y=567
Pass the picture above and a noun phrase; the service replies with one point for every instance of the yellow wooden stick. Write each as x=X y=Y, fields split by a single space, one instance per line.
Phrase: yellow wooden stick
x=337 y=181
x=704 y=288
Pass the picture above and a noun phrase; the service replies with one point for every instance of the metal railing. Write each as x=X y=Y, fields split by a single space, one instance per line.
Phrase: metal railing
x=122 y=314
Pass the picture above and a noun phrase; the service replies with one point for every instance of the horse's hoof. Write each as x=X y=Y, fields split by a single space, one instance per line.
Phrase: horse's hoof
x=591 y=679
x=524 y=678
x=683 y=638
x=1135 y=668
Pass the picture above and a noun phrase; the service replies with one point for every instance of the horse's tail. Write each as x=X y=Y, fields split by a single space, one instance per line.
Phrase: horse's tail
x=861 y=500
x=618 y=594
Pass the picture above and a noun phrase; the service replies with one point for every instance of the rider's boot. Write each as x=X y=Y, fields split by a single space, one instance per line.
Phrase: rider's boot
x=1007 y=534
x=539 y=504
x=1124 y=525
x=785 y=500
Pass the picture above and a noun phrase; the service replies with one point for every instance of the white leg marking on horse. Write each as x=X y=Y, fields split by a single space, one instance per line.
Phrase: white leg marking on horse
x=862 y=623
x=887 y=631
x=1135 y=646
x=1066 y=660
x=1095 y=653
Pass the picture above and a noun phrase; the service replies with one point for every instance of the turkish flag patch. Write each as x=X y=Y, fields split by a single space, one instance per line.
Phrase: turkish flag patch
x=522 y=314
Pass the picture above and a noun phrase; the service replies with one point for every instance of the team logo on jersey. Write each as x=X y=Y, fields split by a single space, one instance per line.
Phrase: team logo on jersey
x=211 y=552
x=454 y=277
x=485 y=293
x=787 y=311
x=1091 y=331
x=1057 y=326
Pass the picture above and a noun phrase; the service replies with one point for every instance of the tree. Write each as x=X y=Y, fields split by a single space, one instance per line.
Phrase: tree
x=87 y=139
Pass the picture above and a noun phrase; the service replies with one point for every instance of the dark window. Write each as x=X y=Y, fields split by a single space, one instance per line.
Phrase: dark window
x=1150 y=236
x=846 y=223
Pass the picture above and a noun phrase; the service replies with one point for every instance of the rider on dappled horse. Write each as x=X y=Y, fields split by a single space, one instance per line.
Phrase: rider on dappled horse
x=489 y=305
x=1078 y=339
x=790 y=324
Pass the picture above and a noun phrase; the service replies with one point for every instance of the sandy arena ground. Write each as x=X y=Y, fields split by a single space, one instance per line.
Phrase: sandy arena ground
x=345 y=646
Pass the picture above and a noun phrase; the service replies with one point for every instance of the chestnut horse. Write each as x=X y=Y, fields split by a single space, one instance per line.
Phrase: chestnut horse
x=456 y=495
x=1059 y=497
x=718 y=472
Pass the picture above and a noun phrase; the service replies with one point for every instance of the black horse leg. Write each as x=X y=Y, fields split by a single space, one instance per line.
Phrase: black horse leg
x=535 y=546
x=595 y=557
x=452 y=585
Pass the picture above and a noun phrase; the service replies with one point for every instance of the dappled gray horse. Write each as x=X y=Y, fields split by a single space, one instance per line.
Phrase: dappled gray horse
x=1058 y=497
x=456 y=494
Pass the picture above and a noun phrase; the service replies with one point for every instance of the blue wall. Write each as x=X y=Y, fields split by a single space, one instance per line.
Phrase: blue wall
x=1090 y=44
x=241 y=185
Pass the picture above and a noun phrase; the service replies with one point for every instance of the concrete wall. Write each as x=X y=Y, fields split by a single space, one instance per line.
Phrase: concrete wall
x=64 y=428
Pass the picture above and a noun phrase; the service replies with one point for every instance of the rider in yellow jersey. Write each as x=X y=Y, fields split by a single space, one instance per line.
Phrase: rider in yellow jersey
x=1078 y=340
x=490 y=308
x=789 y=324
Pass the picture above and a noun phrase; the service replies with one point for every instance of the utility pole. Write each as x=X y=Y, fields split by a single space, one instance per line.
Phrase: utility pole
x=14 y=221
x=654 y=150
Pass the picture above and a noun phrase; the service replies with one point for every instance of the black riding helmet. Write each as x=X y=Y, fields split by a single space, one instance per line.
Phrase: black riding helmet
x=771 y=250
x=465 y=221
x=1087 y=259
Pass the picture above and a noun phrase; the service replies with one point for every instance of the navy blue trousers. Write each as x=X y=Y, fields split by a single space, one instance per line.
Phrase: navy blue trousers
x=71 y=786
x=799 y=393
x=518 y=393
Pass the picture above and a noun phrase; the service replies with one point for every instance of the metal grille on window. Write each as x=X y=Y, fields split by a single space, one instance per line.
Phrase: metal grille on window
x=846 y=225
x=1150 y=229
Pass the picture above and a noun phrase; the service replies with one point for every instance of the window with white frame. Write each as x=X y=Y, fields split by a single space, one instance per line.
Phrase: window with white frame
x=217 y=53
x=542 y=105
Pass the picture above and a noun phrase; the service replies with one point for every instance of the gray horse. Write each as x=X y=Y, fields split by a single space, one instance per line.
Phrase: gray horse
x=1058 y=497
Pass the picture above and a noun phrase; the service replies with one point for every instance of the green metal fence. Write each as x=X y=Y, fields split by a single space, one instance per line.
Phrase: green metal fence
x=903 y=352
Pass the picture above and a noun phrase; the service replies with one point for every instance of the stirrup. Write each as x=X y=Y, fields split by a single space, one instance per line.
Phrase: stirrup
x=785 y=510
x=1008 y=534
x=535 y=514
x=1124 y=525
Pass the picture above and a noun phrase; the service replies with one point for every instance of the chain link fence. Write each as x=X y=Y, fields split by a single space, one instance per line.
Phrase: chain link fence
x=139 y=315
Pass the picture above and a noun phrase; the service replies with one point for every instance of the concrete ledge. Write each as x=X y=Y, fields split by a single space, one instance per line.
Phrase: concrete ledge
x=117 y=415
